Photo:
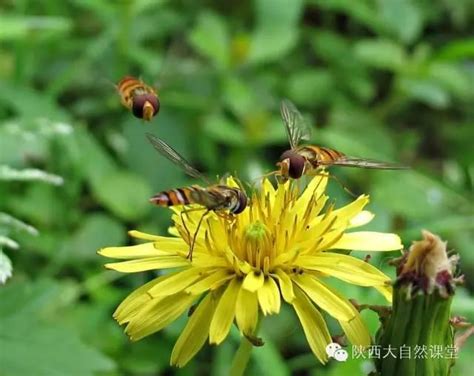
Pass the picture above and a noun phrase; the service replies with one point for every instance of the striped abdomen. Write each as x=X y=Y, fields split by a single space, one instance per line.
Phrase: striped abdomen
x=178 y=196
x=215 y=197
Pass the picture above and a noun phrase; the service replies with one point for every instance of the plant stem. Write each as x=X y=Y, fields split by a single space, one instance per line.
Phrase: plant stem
x=241 y=358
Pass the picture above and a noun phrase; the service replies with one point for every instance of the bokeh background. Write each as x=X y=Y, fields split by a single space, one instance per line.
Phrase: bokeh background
x=385 y=79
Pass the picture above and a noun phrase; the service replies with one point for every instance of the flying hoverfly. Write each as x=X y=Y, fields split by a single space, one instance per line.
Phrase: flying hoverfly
x=222 y=199
x=302 y=160
x=141 y=99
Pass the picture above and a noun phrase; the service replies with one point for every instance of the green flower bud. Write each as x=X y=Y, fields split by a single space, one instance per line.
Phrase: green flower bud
x=420 y=319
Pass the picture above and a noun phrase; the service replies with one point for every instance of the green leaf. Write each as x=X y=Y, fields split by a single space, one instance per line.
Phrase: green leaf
x=29 y=174
x=311 y=86
x=35 y=347
x=425 y=90
x=211 y=39
x=9 y=221
x=95 y=232
x=277 y=29
x=362 y=11
x=27 y=298
x=30 y=103
x=449 y=224
x=452 y=77
x=47 y=350
x=380 y=53
x=143 y=359
x=331 y=47
x=463 y=304
x=6 y=268
x=124 y=194
x=221 y=129
x=375 y=142
x=238 y=96
x=9 y=243
x=458 y=49
x=402 y=18
x=89 y=156
x=18 y=27
x=415 y=195
x=41 y=204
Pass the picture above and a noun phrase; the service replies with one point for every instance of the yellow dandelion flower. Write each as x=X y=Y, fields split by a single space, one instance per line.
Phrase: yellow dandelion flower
x=279 y=250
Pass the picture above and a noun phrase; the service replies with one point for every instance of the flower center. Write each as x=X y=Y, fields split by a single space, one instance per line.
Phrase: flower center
x=256 y=232
x=256 y=245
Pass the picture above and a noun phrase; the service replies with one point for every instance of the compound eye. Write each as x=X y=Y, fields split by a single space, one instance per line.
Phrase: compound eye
x=296 y=166
x=139 y=103
x=242 y=203
x=287 y=155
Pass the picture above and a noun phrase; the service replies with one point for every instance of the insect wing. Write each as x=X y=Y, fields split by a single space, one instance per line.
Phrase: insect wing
x=365 y=163
x=297 y=128
x=168 y=152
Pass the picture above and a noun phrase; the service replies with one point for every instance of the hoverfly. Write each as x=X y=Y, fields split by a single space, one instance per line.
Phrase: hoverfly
x=138 y=97
x=222 y=199
x=302 y=160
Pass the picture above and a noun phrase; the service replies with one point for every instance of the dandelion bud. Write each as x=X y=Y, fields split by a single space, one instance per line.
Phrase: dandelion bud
x=419 y=326
x=427 y=267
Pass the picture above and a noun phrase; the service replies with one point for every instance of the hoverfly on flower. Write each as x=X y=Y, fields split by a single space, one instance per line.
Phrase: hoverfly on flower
x=224 y=200
x=141 y=99
x=302 y=160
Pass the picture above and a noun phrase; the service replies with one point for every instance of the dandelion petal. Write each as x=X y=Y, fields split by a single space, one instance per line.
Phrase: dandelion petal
x=211 y=282
x=286 y=286
x=269 y=297
x=349 y=212
x=177 y=282
x=158 y=313
x=315 y=188
x=356 y=331
x=386 y=291
x=224 y=314
x=253 y=281
x=346 y=268
x=334 y=304
x=246 y=311
x=195 y=333
x=132 y=303
x=368 y=241
x=132 y=252
x=314 y=327
x=361 y=219
x=150 y=263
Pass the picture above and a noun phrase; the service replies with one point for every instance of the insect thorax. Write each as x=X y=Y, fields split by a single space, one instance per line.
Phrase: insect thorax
x=142 y=90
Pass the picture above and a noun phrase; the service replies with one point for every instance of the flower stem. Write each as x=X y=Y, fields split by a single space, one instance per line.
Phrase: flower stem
x=241 y=358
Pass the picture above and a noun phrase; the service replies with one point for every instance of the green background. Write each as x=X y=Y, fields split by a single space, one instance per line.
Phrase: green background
x=385 y=79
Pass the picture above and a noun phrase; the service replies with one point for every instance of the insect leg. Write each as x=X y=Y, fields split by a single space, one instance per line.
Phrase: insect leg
x=347 y=190
x=264 y=176
x=227 y=216
x=190 y=254
x=187 y=211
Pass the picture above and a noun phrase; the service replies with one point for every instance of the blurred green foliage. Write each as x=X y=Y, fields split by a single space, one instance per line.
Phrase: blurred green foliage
x=386 y=79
